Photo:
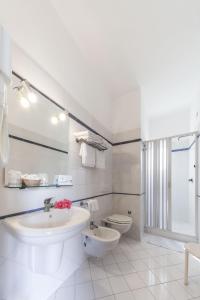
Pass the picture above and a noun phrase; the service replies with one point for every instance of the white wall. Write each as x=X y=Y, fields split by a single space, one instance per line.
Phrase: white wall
x=86 y=183
x=127 y=159
x=126 y=113
x=38 y=30
x=166 y=124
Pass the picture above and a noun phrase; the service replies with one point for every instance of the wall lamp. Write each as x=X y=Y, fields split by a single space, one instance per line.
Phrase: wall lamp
x=25 y=94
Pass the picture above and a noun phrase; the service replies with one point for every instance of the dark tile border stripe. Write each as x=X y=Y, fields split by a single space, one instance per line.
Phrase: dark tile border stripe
x=74 y=201
x=35 y=143
x=127 y=142
x=21 y=213
x=73 y=116
x=127 y=194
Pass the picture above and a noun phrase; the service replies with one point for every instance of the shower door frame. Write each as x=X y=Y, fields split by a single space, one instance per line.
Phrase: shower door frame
x=168 y=233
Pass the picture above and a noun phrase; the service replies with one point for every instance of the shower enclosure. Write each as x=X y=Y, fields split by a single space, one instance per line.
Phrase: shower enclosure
x=170 y=171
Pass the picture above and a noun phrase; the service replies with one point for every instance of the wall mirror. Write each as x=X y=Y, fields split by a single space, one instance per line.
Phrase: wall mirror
x=38 y=130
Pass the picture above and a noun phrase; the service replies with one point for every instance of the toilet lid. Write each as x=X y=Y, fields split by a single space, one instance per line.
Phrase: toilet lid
x=120 y=219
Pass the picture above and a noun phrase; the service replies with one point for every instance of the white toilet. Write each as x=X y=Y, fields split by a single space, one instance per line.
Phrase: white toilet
x=121 y=223
x=98 y=241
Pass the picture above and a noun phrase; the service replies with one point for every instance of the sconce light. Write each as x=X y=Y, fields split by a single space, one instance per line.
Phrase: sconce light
x=54 y=120
x=25 y=94
x=61 y=117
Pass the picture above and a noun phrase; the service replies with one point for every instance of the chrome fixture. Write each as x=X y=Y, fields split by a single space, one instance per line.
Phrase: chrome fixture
x=25 y=94
x=93 y=225
x=84 y=204
x=48 y=204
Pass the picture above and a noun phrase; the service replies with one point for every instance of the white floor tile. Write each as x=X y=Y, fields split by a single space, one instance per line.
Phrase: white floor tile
x=97 y=272
x=126 y=268
x=112 y=270
x=143 y=294
x=108 y=259
x=163 y=274
x=139 y=265
x=120 y=257
x=82 y=275
x=160 y=292
x=149 y=278
x=84 y=292
x=151 y=263
x=177 y=291
x=102 y=288
x=193 y=288
x=118 y=284
x=134 y=281
x=125 y=296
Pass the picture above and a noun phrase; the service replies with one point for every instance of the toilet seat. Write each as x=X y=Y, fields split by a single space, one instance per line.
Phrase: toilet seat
x=122 y=223
x=119 y=219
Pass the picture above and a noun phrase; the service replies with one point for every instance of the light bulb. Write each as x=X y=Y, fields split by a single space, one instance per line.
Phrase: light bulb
x=24 y=102
x=32 y=97
x=54 y=120
x=62 y=117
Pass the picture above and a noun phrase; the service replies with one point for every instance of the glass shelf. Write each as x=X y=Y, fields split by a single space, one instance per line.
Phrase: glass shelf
x=22 y=187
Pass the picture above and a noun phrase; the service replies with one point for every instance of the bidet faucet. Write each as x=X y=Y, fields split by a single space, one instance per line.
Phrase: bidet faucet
x=93 y=225
x=48 y=204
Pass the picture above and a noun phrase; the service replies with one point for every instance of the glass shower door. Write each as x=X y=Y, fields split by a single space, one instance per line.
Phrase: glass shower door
x=183 y=185
x=171 y=205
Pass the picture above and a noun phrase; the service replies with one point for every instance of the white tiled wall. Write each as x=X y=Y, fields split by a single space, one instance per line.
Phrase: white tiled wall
x=127 y=179
x=18 y=279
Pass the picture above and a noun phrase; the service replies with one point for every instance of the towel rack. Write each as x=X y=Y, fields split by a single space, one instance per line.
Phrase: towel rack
x=93 y=144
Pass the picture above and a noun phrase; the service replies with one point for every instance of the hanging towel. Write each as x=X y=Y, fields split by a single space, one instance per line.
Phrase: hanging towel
x=5 y=78
x=100 y=159
x=87 y=154
x=5 y=56
x=4 y=138
x=93 y=205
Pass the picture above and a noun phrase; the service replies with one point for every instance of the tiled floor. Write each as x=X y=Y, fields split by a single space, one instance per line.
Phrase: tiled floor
x=133 y=271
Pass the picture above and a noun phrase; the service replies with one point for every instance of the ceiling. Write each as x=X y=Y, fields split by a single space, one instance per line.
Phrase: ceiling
x=153 y=45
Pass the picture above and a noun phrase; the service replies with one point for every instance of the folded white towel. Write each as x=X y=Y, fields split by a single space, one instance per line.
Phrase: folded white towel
x=87 y=154
x=89 y=136
x=5 y=55
x=100 y=159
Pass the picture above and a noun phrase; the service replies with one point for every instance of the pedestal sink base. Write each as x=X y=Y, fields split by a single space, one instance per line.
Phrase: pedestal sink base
x=45 y=234
x=45 y=259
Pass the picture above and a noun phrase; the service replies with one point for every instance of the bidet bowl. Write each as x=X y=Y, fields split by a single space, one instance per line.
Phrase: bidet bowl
x=100 y=240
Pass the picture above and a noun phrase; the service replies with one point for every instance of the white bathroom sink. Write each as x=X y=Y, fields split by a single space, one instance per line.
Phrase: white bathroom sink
x=43 y=228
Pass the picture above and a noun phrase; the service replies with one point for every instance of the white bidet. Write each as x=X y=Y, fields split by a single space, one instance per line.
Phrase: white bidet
x=98 y=241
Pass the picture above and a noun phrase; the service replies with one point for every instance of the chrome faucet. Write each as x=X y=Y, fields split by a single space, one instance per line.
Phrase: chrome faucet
x=93 y=225
x=48 y=204
x=84 y=204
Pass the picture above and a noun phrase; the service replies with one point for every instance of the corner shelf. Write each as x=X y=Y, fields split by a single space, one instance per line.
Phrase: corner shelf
x=22 y=187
